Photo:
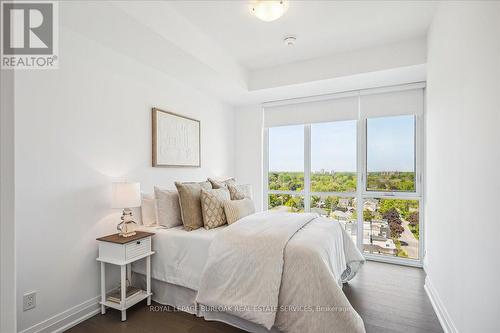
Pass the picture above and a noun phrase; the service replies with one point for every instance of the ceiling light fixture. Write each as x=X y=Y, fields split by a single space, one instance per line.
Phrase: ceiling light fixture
x=269 y=10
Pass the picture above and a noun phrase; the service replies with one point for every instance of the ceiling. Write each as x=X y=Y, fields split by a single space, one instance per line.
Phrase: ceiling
x=322 y=28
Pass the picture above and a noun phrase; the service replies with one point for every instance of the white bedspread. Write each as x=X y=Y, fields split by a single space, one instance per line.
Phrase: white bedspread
x=283 y=270
x=180 y=255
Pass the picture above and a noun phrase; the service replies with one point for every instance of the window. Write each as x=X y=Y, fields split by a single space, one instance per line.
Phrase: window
x=286 y=203
x=360 y=169
x=390 y=154
x=286 y=158
x=333 y=157
x=391 y=227
x=340 y=209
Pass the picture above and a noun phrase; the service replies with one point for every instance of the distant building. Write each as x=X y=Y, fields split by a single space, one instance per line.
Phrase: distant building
x=371 y=205
x=341 y=216
x=377 y=237
x=344 y=202
x=320 y=204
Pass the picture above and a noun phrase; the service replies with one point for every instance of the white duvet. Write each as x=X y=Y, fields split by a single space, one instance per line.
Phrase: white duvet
x=180 y=255
x=283 y=270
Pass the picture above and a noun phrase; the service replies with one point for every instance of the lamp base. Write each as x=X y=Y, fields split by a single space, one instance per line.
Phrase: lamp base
x=125 y=226
x=127 y=234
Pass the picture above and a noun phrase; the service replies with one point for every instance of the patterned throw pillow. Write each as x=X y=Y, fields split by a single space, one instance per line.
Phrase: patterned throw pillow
x=239 y=192
x=238 y=209
x=212 y=207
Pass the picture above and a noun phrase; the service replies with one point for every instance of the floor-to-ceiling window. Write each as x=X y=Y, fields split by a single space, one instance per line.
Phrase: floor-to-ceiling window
x=286 y=168
x=363 y=173
x=391 y=214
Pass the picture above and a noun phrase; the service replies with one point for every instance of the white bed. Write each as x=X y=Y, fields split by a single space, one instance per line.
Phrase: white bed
x=187 y=271
x=176 y=269
x=180 y=255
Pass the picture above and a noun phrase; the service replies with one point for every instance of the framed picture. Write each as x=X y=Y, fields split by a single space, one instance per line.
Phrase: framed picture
x=176 y=140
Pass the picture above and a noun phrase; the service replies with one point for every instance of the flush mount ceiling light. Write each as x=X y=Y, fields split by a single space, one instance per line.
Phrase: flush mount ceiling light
x=268 y=10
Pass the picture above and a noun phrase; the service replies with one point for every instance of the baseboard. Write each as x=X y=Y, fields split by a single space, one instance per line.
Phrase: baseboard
x=443 y=315
x=69 y=318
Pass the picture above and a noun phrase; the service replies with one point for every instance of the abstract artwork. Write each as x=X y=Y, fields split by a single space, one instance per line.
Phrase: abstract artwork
x=176 y=140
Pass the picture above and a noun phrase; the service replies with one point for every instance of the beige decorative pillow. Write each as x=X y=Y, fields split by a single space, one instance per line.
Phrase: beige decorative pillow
x=189 y=199
x=168 y=209
x=212 y=207
x=221 y=183
x=237 y=209
x=239 y=192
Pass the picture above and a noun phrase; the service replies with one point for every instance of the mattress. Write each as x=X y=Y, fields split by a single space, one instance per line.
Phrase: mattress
x=180 y=255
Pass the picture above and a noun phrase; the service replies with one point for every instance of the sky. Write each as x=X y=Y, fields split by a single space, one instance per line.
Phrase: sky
x=333 y=146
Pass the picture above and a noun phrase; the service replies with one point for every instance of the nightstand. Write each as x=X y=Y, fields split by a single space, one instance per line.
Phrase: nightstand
x=123 y=251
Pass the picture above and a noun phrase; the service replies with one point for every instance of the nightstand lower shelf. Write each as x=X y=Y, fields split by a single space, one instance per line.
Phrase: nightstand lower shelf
x=132 y=300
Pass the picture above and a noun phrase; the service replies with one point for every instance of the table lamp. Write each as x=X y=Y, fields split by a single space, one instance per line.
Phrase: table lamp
x=126 y=196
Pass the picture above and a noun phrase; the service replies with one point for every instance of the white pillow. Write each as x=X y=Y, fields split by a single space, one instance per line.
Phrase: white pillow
x=168 y=208
x=240 y=191
x=149 y=210
x=238 y=209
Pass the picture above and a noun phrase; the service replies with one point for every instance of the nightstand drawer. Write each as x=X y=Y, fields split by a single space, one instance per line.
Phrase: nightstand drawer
x=127 y=251
x=137 y=248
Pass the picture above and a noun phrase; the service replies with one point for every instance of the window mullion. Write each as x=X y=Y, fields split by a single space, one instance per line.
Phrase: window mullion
x=307 y=167
x=265 y=169
x=361 y=174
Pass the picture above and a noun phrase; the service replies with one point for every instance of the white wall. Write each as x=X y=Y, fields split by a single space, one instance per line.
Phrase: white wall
x=7 y=207
x=79 y=128
x=248 y=143
x=403 y=54
x=463 y=163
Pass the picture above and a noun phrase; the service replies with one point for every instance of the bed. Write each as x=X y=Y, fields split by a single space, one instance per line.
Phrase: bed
x=291 y=265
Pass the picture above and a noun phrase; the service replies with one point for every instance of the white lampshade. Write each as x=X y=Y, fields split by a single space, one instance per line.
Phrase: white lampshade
x=125 y=195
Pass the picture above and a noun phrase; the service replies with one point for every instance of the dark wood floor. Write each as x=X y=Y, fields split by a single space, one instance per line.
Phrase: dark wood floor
x=389 y=298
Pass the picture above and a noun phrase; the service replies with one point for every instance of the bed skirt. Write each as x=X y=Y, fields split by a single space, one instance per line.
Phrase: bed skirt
x=183 y=299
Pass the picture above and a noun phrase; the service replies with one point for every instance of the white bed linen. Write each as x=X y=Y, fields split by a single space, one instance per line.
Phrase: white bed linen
x=180 y=255
x=284 y=270
x=183 y=299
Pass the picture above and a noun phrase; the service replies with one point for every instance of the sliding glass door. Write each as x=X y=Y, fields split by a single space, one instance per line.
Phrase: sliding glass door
x=364 y=173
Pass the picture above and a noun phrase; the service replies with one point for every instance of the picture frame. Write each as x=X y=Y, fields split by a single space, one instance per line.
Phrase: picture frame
x=176 y=140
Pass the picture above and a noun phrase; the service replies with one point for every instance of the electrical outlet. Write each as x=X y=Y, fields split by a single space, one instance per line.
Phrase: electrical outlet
x=29 y=301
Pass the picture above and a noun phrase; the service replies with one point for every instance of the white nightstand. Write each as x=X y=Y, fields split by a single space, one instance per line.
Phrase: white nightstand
x=123 y=251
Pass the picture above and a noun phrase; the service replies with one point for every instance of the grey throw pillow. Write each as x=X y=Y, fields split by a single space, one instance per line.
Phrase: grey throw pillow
x=212 y=207
x=189 y=199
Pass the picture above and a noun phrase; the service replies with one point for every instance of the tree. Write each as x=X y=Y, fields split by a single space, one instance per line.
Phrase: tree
x=392 y=215
x=413 y=219
x=394 y=220
x=368 y=215
x=396 y=229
